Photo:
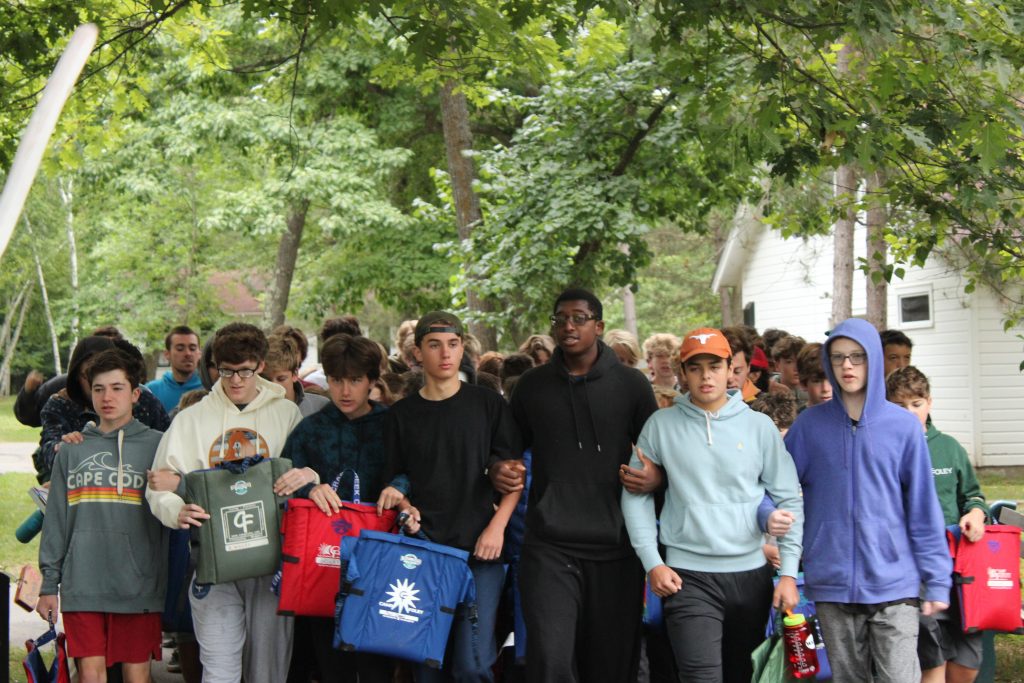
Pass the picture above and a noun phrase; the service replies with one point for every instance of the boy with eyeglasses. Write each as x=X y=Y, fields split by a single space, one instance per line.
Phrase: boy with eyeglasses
x=873 y=531
x=236 y=623
x=581 y=582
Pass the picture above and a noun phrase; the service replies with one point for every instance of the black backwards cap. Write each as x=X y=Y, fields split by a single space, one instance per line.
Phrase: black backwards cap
x=437 y=321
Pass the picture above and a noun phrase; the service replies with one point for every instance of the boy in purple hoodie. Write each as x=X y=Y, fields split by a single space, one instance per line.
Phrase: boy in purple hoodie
x=873 y=539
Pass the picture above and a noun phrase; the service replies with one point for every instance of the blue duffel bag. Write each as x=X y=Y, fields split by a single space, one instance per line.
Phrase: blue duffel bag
x=399 y=595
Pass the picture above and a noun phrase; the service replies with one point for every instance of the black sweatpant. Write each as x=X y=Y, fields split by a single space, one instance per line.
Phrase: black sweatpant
x=582 y=616
x=716 y=621
x=336 y=666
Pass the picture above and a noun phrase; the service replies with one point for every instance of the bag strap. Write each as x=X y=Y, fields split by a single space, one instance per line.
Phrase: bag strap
x=45 y=639
x=953 y=539
x=355 y=483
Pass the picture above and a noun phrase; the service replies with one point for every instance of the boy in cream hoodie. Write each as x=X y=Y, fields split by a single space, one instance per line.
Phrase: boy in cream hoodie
x=236 y=623
x=720 y=458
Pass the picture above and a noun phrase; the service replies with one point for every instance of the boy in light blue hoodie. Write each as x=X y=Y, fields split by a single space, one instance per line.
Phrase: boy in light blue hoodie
x=874 y=535
x=720 y=458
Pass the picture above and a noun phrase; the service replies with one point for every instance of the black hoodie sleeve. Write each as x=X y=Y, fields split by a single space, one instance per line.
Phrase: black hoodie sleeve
x=645 y=405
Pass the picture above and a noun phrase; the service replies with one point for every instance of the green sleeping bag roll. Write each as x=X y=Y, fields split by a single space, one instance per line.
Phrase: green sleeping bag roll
x=241 y=540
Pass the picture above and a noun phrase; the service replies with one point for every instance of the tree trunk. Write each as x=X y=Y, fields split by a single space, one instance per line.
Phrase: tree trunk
x=628 y=302
x=12 y=306
x=66 y=187
x=877 y=285
x=54 y=341
x=731 y=304
x=842 y=264
x=276 y=303
x=845 y=194
x=458 y=140
x=10 y=346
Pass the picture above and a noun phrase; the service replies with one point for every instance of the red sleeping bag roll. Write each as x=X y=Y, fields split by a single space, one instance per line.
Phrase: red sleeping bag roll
x=310 y=557
x=987 y=576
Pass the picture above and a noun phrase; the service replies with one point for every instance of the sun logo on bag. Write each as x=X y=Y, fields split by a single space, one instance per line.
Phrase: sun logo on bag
x=402 y=596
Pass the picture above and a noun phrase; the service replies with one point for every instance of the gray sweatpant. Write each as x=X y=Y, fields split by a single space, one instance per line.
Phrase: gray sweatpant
x=239 y=632
x=857 y=635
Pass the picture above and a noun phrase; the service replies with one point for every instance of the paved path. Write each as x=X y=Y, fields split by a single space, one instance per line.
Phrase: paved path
x=17 y=457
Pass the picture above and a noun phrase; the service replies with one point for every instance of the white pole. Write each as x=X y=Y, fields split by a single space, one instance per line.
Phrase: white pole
x=40 y=127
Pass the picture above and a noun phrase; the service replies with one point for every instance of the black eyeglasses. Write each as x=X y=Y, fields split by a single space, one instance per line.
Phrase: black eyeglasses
x=244 y=373
x=559 y=320
x=856 y=358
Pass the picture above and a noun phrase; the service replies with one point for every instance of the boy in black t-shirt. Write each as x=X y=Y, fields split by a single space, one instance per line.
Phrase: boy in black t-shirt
x=442 y=438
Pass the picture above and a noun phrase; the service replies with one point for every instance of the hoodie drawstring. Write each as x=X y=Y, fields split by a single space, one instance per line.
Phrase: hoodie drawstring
x=593 y=424
x=120 y=461
x=575 y=421
x=708 y=416
x=575 y=418
x=223 y=434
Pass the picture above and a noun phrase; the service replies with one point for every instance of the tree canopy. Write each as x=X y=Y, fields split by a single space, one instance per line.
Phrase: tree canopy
x=296 y=150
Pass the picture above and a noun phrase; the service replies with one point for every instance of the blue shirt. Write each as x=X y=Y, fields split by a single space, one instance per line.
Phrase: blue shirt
x=169 y=391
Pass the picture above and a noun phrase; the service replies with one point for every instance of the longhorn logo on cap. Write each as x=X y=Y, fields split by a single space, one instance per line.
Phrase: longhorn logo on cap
x=703 y=338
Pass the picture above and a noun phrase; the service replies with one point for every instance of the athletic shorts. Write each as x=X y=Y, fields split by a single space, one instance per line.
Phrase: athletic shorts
x=942 y=640
x=127 y=638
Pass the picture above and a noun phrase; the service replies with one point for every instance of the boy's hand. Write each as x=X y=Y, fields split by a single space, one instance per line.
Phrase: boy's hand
x=32 y=382
x=972 y=525
x=326 y=499
x=162 y=480
x=647 y=479
x=73 y=437
x=47 y=607
x=488 y=546
x=933 y=607
x=664 y=581
x=786 y=595
x=293 y=480
x=389 y=498
x=412 y=521
x=779 y=522
x=771 y=553
x=191 y=515
x=508 y=476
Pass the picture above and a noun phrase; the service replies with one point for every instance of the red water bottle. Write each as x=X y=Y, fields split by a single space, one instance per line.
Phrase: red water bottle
x=801 y=655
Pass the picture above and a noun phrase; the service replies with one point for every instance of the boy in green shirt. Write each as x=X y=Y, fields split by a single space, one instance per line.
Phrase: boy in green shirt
x=945 y=651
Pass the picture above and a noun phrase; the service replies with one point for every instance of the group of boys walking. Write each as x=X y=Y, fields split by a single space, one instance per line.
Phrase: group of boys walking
x=619 y=489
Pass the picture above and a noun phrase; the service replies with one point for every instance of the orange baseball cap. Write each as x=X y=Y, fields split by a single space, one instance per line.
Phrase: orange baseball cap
x=704 y=340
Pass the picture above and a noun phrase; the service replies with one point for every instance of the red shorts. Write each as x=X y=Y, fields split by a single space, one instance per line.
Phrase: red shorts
x=128 y=638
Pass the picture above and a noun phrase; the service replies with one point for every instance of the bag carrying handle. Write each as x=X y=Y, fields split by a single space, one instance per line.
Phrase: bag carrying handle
x=355 y=483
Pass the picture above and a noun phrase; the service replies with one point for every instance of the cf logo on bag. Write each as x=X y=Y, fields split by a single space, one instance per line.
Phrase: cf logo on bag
x=243 y=520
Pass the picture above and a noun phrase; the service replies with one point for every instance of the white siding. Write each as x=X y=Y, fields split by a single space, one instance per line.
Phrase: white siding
x=790 y=282
x=971 y=362
x=944 y=351
x=973 y=365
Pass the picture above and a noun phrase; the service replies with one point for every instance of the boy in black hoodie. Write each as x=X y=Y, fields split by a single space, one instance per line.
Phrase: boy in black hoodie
x=582 y=585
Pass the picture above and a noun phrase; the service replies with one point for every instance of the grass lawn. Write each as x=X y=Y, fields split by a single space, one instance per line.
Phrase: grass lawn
x=10 y=428
x=16 y=506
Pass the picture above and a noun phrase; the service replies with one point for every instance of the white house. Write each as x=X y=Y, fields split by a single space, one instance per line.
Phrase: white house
x=959 y=342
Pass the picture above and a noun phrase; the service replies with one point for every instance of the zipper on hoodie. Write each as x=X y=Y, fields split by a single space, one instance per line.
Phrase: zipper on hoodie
x=853 y=479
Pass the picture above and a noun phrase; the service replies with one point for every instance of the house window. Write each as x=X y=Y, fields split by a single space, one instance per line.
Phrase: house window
x=915 y=309
x=748 y=315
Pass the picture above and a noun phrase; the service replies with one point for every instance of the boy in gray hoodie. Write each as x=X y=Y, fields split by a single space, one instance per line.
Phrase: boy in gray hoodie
x=102 y=550
x=720 y=458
